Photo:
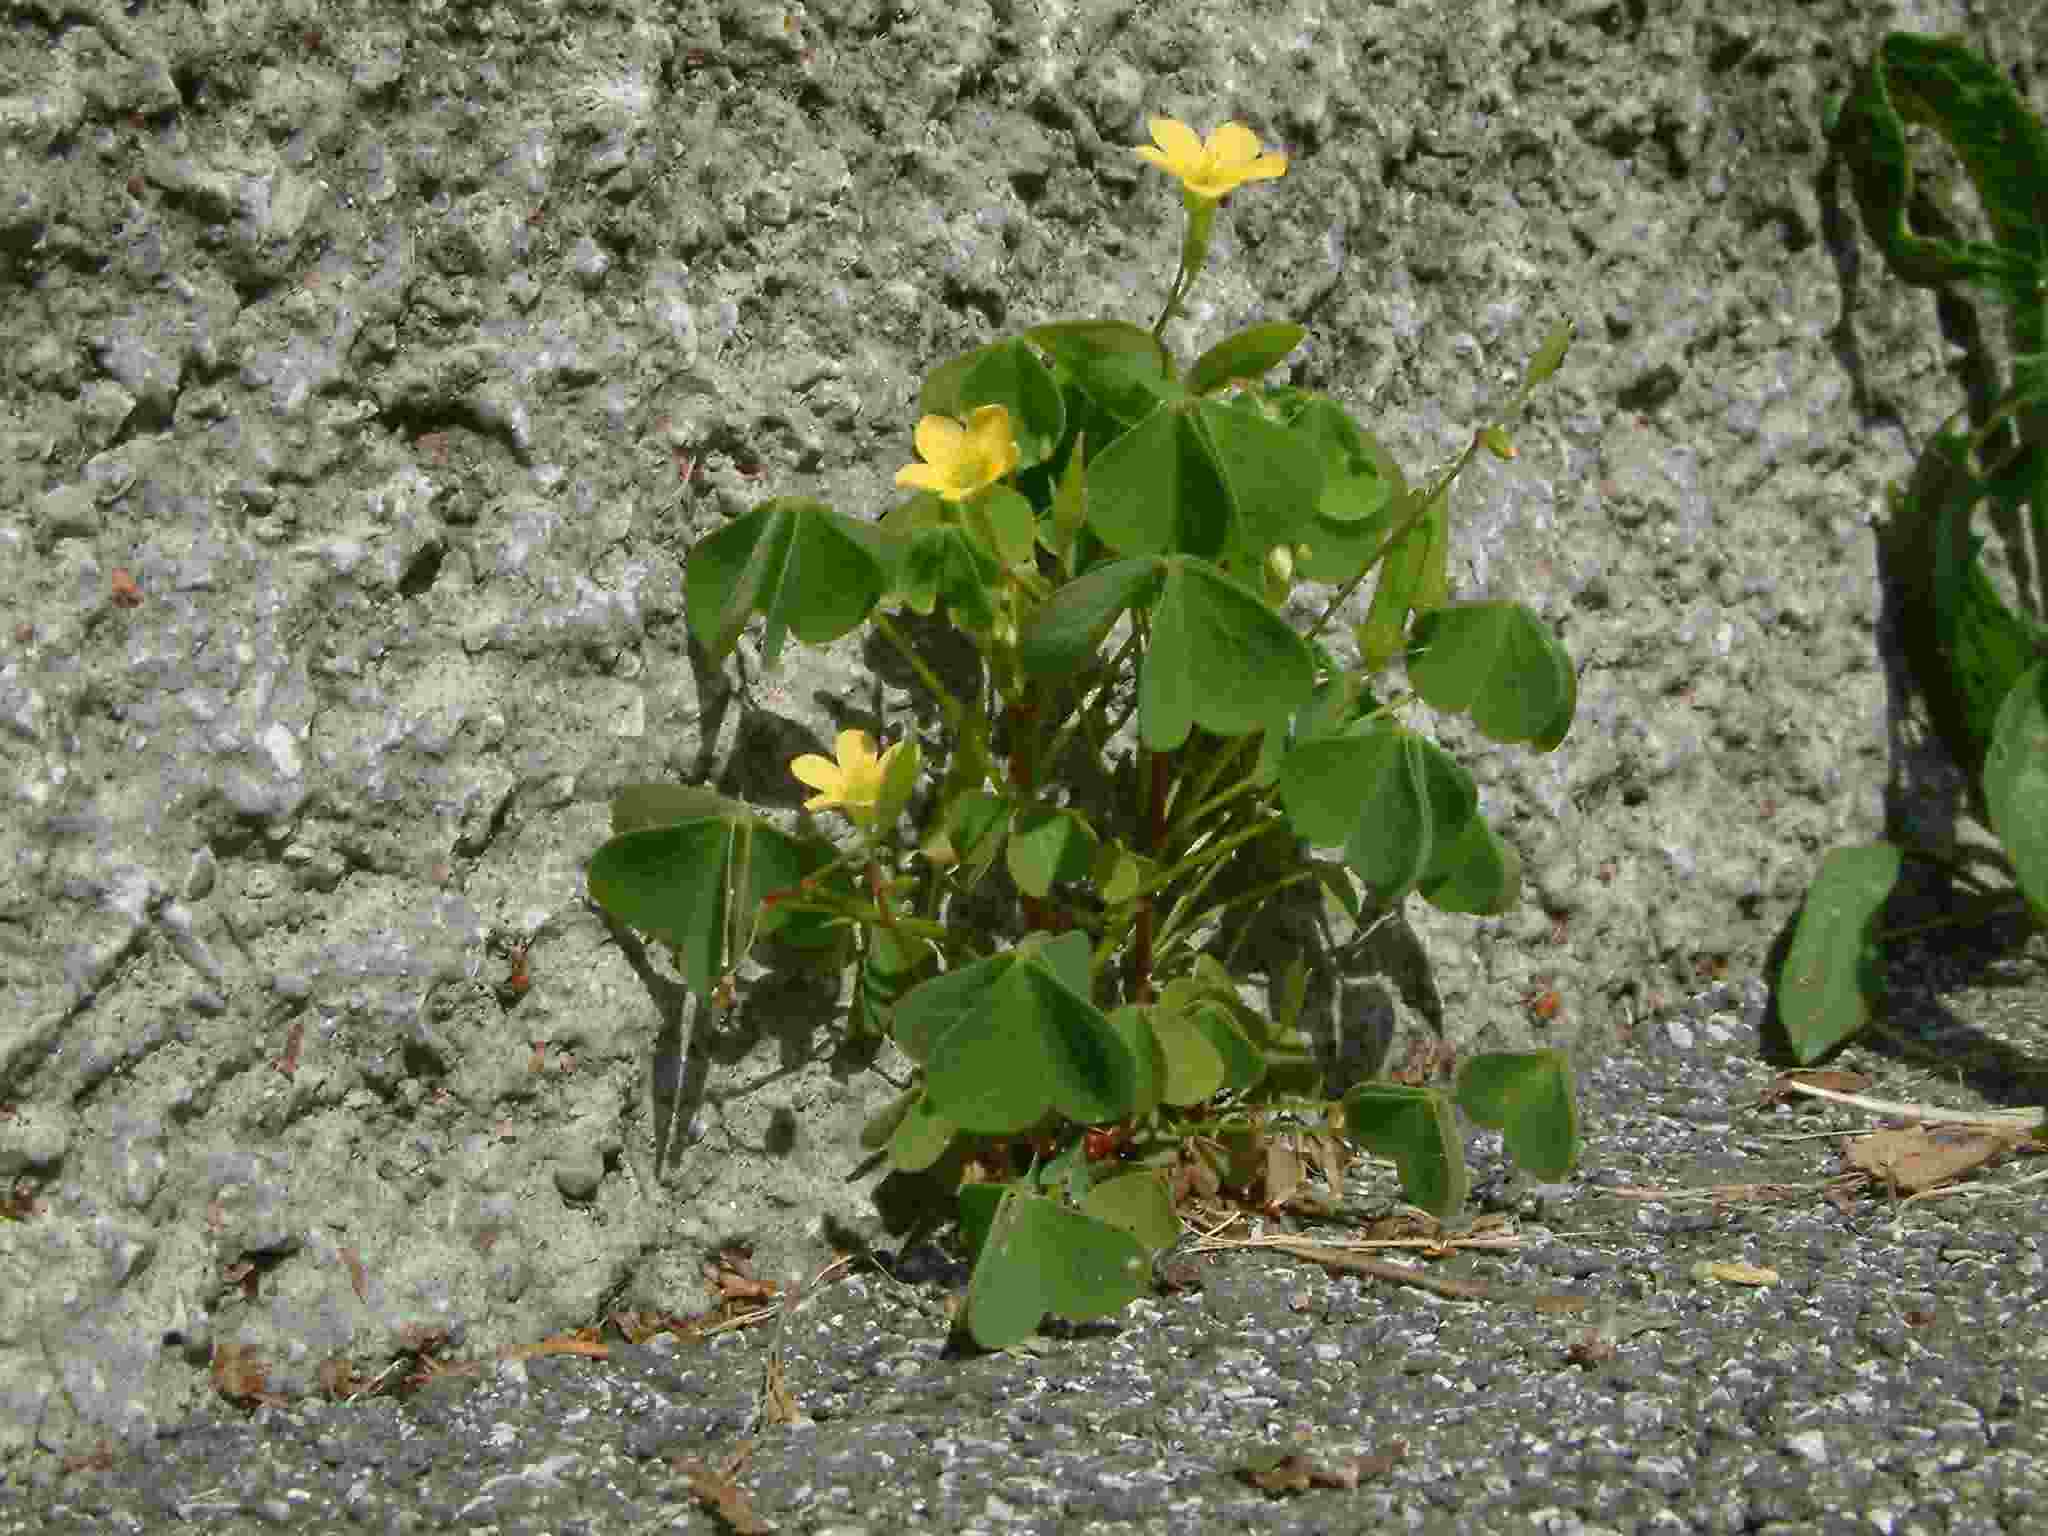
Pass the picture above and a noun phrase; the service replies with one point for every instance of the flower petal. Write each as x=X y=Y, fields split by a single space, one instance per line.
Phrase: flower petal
x=922 y=477
x=856 y=751
x=818 y=772
x=939 y=440
x=1183 y=147
x=1233 y=144
x=991 y=443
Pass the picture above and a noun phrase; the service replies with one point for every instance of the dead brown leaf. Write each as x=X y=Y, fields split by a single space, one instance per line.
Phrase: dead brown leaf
x=1919 y=1157
x=1590 y=1348
x=778 y=1403
x=733 y=1278
x=714 y=1488
x=1832 y=1079
x=238 y=1375
x=1328 y=1154
x=358 y=1278
x=1283 y=1173
x=1296 y=1473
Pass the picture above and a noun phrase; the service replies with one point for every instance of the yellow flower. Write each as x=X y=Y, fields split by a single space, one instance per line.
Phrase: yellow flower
x=854 y=783
x=1213 y=170
x=960 y=460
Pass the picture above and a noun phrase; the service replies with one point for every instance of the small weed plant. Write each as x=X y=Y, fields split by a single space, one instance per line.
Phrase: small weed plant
x=1980 y=664
x=1149 y=748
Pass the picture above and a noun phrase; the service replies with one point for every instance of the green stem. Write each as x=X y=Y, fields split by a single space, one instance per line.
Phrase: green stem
x=948 y=705
x=1421 y=502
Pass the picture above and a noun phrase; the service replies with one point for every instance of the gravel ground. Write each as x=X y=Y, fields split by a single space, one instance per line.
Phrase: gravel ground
x=1885 y=1381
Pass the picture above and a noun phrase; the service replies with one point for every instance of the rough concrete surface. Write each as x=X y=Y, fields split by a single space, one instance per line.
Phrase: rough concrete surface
x=368 y=370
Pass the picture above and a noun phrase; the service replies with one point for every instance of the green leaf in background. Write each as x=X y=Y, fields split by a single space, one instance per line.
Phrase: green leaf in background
x=1120 y=366
x=1415 y=1128
x=2016 y=784
x=1830 y=980
x=1139 y=1203
x=1041 y=1257
x=1061 y=638
x=1202 y=615
x=1987 y=646
x=1006 y=373
x=1006 y=1039
x=696 y=886
x=1368 y=793
x=1499 y=663
x=811 y=571
x=1941 y=84
x=1247 y=355
x=1526 y=1096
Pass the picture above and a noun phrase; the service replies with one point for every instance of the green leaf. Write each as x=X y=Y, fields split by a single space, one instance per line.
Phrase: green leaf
x=949 y=564
x=1069 y=506
x=1249 y=355
x=1119 y=874
x=1005 y=1039
x=1062 y=637
x=696 y=886
x=1039 y=1256
x=1831 y=979
x=1156 y=490
x=1243 y=1066
x=1414 y=1127
x=880 y=1126
x=1120 y=366
x=1412 y=570
x=1003 y=523
x=1048 y=846
x=1370 y=793
x=976 y=826
x=1474 y=872
x=1550 y=356
x=1526 y=1096
x=1214 y=479
x=1194 y=1069
x=1133 y=1026
x=811 y=571
x=890 y=966
x=1499 y=663
x=1203 y=615
x=1006 y=373
x=1139 y=1203
x=638 y=806
x=2016 y=784
x=1274 y=488
x=920 y=1139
